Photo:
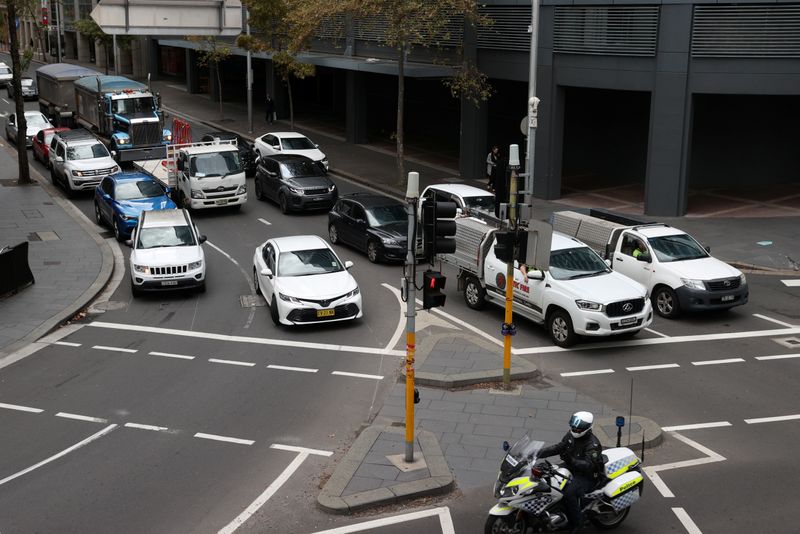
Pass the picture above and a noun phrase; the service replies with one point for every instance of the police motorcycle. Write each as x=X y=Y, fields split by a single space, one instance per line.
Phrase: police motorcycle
x=530 y=493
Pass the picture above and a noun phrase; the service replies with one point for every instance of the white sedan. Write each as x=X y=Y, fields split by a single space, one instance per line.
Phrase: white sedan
x=290 y=143
x=304 y=281
x=34 y=121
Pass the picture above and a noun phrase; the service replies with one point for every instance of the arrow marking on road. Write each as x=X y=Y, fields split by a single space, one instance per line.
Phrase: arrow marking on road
x=652 y=471
x=445 y=522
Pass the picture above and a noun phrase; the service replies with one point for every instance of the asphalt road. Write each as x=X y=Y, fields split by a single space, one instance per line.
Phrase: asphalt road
x=178 y=411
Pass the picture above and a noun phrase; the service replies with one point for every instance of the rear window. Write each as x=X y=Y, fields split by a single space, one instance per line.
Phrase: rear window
x=483 y=202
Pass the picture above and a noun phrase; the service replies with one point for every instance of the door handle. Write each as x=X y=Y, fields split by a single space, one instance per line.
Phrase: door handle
x=490 y=267
x=618 y=259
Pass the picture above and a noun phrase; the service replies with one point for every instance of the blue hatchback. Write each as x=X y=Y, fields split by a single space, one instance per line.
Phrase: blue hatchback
x=120 y=198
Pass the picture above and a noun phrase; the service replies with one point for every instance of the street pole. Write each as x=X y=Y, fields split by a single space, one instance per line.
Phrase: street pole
x=116 y=59
x=410 y=272
x=58 y=29
x=249 y=79
x=533 y=102
x=508 y=328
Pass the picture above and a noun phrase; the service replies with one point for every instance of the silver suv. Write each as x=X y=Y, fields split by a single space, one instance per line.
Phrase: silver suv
x=79 y=161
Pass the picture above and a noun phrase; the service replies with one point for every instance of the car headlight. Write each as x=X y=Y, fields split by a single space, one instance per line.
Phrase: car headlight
x=141 y=269
x=389 y=241
x=296 y=191
x=128 y=217
x=196 y=193
x=195 y=265
x=742 y=279
x=123 y=140
x=77 y=173
x=353 y=293
x=331 y=188
x=242 y=190
x=115 y=168
x=589 y=305
x=693 y=284
x=168 y=137
x=287 y=298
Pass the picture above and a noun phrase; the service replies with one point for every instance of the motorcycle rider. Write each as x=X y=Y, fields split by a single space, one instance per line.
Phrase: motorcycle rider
x=582 y=454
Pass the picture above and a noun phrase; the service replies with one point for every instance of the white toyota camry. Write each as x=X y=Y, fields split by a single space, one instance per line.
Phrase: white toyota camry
x=304 y=281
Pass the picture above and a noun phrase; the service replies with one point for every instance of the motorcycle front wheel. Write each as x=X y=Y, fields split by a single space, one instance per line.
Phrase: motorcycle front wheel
x=609 y=520
x=504 y=524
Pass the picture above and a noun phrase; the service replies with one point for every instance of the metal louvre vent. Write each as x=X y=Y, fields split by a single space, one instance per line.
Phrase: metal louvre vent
x=332 y=28
x=374 y=29
x=510 y=28
x=606 y=30
x=746 y=31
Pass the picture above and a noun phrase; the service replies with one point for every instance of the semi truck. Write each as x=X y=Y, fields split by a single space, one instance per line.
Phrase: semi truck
x=679 y=273
x=123 y=113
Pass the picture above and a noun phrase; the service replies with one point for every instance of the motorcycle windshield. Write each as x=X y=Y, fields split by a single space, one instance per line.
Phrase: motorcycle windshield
x=519 y=454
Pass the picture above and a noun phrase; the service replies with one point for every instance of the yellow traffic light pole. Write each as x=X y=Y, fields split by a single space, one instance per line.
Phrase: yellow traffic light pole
x=412 y=195
x=513 y=163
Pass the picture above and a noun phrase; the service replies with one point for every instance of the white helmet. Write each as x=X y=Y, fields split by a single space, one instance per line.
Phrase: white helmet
x=580 y=423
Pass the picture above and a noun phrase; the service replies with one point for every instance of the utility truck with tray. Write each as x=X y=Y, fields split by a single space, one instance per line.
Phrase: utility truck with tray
x=578 y=295
x=678 y=272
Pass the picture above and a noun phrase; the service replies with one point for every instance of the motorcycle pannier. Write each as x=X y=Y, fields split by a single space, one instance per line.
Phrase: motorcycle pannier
x=624 y=490
x=620 y=460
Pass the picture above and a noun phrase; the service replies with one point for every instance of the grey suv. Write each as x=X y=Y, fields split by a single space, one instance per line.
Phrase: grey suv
x=295 y=183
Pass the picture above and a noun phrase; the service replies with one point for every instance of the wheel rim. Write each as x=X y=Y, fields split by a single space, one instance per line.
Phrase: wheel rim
x=97 y=214
x=664 y=303
x=333 y=234
x=284 y=206
x=116 y=230
x=611 y=519
x=471 y=292
x=559 y=328
x=258 y=189
x=372 y=252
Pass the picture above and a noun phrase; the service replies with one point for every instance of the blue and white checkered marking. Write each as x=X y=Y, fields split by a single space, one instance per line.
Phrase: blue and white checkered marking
x=625 y=500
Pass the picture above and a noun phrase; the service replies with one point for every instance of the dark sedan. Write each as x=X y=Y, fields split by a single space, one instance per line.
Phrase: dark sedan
x=246 y=153
x=295 y=182
x=29 y=89
x=375 y=224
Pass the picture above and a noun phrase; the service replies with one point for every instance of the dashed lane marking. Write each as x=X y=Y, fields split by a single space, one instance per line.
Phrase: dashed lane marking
x=445 y=522
x=171 y=355
x=791 y=283
x=79 y=417
x=226 y=439
x=67 y=344
x=19 y=408
x=264 y=221
x=288 y=368
x=695 y=426
x=718 y=362
x=357 y=375
x=778 y=357
x=653 y=367
x=686 y=521
x=114 y=349
x=147 y=427
x=772 y=419
x=584 y=373
x=232 y=362
x=770 y=319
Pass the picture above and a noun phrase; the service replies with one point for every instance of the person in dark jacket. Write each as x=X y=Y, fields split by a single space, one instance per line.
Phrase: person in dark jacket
x=270 y=105
x=582 y=454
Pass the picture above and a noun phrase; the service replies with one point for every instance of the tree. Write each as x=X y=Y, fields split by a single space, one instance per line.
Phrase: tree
x=16 y=68
x=32 y=10
x=91 y=30
x=212 y=53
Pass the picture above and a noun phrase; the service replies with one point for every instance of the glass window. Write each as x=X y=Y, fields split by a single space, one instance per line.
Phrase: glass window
x=297 y=143
x=381 y=215
x=97 y=150
x=5 y=70
x=483 y=202
x=165 y=236
x=36 y=119
x=27 y=82
x=358 y=213
x=308 y=262
x=572 y=263
x=298 y=168
x=344 y=208
x=677 y=248
x=134 y=190
x=133 y=106
x=215 y=164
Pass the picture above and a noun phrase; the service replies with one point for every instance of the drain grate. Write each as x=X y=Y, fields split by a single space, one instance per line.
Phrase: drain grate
x=252 y=301
x=43 y=236
x=32 y=214
x=790 y=342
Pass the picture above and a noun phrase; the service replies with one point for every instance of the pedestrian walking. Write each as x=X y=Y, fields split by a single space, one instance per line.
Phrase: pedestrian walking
x=491 y=167
x=270 y=110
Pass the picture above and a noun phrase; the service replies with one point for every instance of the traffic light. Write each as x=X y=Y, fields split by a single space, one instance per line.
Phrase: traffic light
x=432 y=287
x=438 y=228
x=504 y=248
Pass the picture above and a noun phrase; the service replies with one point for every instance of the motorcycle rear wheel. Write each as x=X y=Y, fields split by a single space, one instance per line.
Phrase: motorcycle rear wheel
x=609 y=520
x=504 y=524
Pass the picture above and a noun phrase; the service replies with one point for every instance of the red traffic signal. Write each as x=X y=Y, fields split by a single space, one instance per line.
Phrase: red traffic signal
x=432 y=286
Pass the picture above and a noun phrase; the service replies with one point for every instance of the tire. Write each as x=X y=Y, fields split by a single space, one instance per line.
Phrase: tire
x=609 y=520
x=559 y=326
x=259 y=189
x=665 y=302
x=256 y=287
x=284 y=205
x=117 y=233
x=98 y=217
x=333 y=234
x=136 y=292
x=202 y=287
x=273 y=311
x=373 y=252
x=474 y=293
x=53 y=177
x=504 y=524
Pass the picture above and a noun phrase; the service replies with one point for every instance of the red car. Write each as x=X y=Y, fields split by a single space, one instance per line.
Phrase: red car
x=41 y=144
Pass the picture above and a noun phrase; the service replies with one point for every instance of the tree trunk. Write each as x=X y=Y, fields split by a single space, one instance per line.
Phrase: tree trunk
x=401 y=171
x=22 y=152
x=219 y=88
x=291 y=102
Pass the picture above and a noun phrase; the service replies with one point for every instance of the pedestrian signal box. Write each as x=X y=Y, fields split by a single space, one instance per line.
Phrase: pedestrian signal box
x=432 y=289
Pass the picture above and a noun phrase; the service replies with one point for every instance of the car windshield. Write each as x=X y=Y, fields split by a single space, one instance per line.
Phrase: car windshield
x=5 y=70
x=308 y=262
x=97 y=150
x=126 y=106
x=483 y=202
x=579 y=262
x=215 y=164
x=165 y=236
x=27 y=82
x=677 y=248
x=294 y=169
x=134 y=190
x=36 y=119
x=297 y=143
x=381 y=215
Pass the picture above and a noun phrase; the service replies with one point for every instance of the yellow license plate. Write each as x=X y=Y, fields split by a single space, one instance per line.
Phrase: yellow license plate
x=326 y=313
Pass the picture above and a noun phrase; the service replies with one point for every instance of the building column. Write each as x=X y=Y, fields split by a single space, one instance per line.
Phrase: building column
x=125 y=60
x=667 y=181
x=83 y=47
x=138 y=63
x=100 y=55
x=356 y=107
x=70 y=48
x=151 y=53
x=192 y=74
x=473 y=143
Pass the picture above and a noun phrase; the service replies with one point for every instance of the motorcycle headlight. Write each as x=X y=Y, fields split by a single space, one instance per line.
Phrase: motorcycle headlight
x=242 y=190
x=589 y=305
x=296 y=191
x=141 y=269
x=195 y=265
x=196 y=193
x=693 y=284
x=287 y=298
x=509 y=491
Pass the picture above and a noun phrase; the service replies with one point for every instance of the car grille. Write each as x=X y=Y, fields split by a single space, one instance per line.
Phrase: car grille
x=723 y=285
x=624 y=307
x=308 y=315
x=323 y=191
x=146 y=133
x=171 y=269
x=98 y=172
x=324 y=302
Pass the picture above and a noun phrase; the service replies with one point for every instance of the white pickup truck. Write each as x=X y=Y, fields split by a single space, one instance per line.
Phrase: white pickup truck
x=578 y=296
x=679 y=273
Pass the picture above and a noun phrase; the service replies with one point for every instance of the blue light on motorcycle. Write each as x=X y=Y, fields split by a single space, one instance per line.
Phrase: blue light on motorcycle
x=620 y=421
x=506 y=446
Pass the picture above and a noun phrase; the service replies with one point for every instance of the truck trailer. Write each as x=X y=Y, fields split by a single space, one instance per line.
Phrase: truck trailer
x=57 y=91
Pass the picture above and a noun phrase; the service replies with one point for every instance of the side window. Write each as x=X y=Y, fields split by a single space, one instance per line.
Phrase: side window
x=107 y=187
x=442 y=197
x=53 y=143
x=358 y=213
x=270 y=257
x=12 y=119
x=345 y=208
x=60 y=150
x=40 y=136
x=274 y=167
x=632 y=246
x=270 y=139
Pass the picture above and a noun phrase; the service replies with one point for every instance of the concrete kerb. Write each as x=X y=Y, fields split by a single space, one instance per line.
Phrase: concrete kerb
x=749 y=268
x=440 y=480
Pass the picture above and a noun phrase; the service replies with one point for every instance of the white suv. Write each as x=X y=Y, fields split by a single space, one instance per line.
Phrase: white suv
x=166 y=252
x=79 y=161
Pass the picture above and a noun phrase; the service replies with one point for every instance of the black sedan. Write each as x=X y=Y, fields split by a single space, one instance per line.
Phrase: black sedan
x=246 y=153
x=29 y=89
x=295 y=182
x=375 y=224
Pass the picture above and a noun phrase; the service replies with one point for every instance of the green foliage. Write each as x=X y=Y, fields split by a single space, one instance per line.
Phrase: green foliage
x=25 y=60
x=288 y=66
x=212 y=51
x=470 y=84
x=90 y=29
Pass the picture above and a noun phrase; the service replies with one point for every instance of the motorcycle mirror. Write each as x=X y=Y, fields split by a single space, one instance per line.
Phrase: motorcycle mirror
x=416 y=396
x=506 y=446
x=620 y=421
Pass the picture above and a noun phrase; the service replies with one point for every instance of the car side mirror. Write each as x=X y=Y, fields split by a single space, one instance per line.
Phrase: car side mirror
x=536 y=275
x=506 y=446
x=202 y=239
x=644 y=256
x=608 y=262
x=348 y=264
x=276 y=147
x=129 y=242
x=266 y=271
x=459 y=212
x=316 y=145
x=708 y=248
x=59 y=159
x=113 y=153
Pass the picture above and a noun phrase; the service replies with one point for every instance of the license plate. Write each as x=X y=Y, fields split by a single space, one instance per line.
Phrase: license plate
x=326 y=313
x=220 y=202
x=727 y=298
x=628 y=320
x=511 y=460
x=169 y=283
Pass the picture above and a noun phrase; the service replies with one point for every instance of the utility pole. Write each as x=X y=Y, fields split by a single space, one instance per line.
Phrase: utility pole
x=508 y=326
x=533 y=102
x=249 y=78
x=409 y=279
x=58 y=29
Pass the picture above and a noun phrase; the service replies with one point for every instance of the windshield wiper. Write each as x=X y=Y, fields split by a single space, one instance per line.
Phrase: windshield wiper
x=585 y=275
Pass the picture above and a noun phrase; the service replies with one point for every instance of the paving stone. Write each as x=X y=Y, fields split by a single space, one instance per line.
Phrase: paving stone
x=440 y=415
x=484 y=464
x=543 y=394
x=565 y=406
x=465 y=428
x=491 y=409
x=473 y=407
x=569 y=396
x=382 y=472
x=483 y=441
x=448 y=405
x=471 y=478
x=449 y=437
x=358 y=484
x=437 y=426
x=520 y=402
x=481 y=419
x=417 y=474
x=493 y=430
x=459 y=449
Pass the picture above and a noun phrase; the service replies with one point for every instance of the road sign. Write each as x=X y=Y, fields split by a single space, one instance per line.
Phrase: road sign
x=169 y=17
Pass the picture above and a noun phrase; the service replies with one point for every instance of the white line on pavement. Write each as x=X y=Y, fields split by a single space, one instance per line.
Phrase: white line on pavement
x=298 y=369
x=265 y=222
x=246 y=339
x=652 y=367
x=792 y=283
x=686 y=521
x=114 y=349
x=67 y=344
x=770 y=319
x=652 y=471
x=20 y=408
x=357 y=375
x=772 y=419
x=465 y=325
x=4 y=100
x=778 y=357
x=252 y=314
x=171 y=355
x=445 y=522
x=401 y=322
x=231 y=362
x=656 y=333
x=226 y=439
x=584 y=373
x=717 y=362
x=215 y=247
x=66 y=415
x=147 y=427
x=695 y=426
x=66 y=451
x=292 y=448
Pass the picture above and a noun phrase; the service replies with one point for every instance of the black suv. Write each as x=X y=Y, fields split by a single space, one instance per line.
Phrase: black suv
x=375 y=224
x=294 y=182
x=246 y=153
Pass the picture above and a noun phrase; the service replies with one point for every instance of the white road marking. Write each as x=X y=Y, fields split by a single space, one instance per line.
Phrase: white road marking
x=445 y=522
x=4 y=100
x=686 y=521
x=147 y=427
x=226 y=439
x=231 y=362
x=271 y=489
x=400 y=323
x=245 y=339
x=298 y=369
x=717 y=362
x=215 y=247
x=252 y=314
x=357 y=375
x=772 y=419
x=171 y=355
x=36 y=346
x=656 y=333
x=67 y=344
x=265 y=222
x=770 y=319
x=584 y=373
x=114 y=349
x=66 y=415
x=695 y=426
x=652 y=471
x=652 y=367
x=778 y=357
x=20 y=408
x=66 y=451
x=466 y=325
x=292 y=448
x=792 y=283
